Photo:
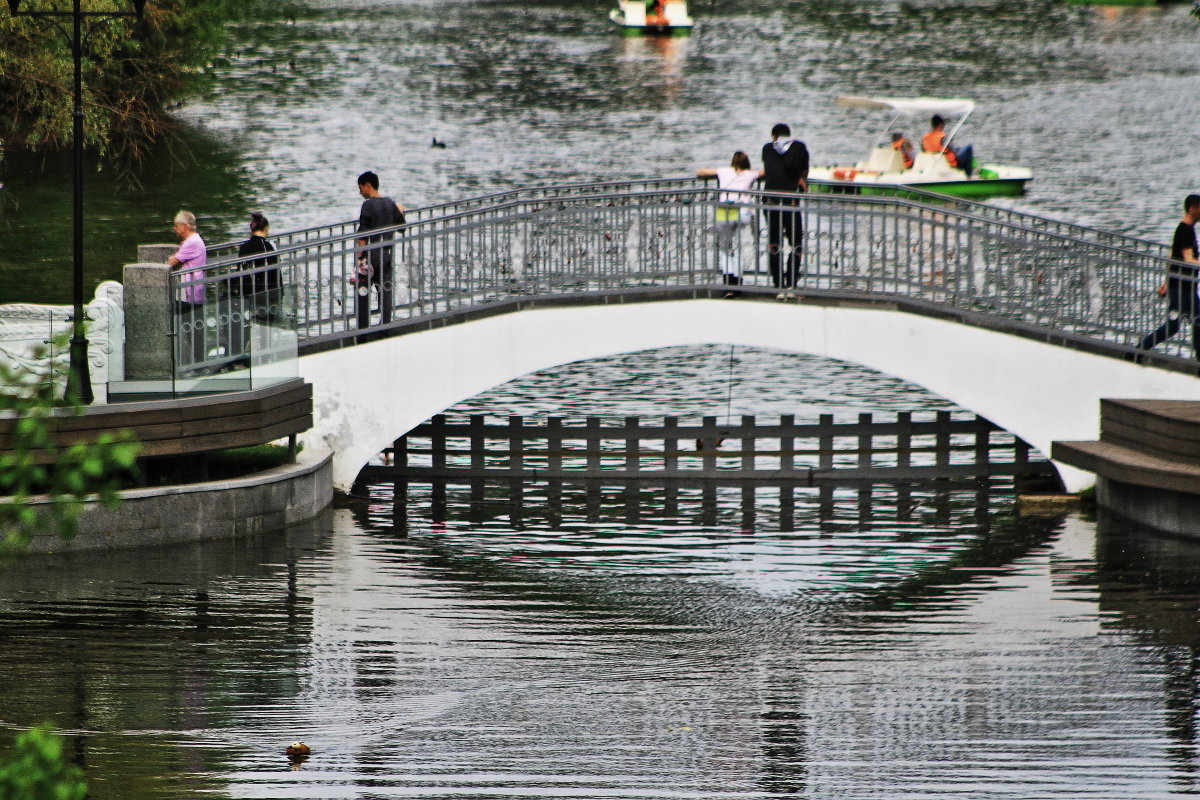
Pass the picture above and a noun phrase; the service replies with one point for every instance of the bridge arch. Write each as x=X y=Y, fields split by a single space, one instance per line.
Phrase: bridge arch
x=367 y=395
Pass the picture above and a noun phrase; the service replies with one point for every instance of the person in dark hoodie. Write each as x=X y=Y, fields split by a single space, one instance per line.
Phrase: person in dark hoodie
x=785 y=167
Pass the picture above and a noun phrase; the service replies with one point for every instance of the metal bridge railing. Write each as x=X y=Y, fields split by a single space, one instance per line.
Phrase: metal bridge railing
x=595 y=237
x=227 y=250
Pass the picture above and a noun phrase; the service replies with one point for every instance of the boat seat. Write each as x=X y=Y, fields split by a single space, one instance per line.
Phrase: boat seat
x=884 y=159
x=931 y=162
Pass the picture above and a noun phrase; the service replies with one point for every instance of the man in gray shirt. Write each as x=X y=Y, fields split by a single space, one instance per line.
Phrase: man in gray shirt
x=373 y=255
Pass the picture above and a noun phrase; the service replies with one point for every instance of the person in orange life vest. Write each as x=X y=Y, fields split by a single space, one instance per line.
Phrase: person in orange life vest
x=901 y=143
x=935 y=142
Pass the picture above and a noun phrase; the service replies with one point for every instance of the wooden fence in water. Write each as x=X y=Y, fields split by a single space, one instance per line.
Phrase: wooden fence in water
x=903 y=447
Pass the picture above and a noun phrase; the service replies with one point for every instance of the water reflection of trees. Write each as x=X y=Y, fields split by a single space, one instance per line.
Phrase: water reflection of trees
x=196 y=170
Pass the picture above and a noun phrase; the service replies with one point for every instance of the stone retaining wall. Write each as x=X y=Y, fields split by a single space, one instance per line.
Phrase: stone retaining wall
x=264 y=501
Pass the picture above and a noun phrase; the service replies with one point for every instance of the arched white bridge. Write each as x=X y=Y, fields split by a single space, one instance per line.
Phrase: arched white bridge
x=368 y=395
x=1026 y=321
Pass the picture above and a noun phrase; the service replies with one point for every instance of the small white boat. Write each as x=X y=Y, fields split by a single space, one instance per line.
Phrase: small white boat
x=636 y=17
x=884 y=170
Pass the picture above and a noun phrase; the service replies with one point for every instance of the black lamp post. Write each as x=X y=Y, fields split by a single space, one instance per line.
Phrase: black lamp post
x=79 y=381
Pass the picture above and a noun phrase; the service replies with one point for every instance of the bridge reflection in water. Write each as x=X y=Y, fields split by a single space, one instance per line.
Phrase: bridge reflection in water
x=925 y=508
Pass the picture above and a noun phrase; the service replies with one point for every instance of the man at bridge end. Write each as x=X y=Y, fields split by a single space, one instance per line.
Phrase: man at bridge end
x=374 y=259
x=1180 y=285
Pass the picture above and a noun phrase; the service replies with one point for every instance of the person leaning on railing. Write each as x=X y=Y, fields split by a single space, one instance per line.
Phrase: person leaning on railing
x=733 y=212
x=191 y=255
x=257 y=295
x=1180 y=285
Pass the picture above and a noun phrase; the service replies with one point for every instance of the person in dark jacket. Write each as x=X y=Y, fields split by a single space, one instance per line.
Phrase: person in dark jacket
x=254 y=297
x=262 y=286
x=785 y=168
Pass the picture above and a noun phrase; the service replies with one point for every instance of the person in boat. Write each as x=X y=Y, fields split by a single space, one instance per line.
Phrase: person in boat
x=733 y=212
x=935 y=142
x=785 y=169
x=904 y=146
x=1180 y=285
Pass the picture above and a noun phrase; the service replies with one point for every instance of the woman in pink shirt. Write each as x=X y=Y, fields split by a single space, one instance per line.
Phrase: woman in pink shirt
x=192 y=256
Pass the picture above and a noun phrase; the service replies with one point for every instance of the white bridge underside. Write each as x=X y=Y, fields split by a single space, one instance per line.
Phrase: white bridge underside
x=368 y=395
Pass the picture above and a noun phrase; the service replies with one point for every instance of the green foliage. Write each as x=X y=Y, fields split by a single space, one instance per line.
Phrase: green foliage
x=239 y=461
x=33 y=463
x=133 y=70
x=37 y=769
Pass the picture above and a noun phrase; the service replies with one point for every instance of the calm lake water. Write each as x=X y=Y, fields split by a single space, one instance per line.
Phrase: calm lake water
x=860 y=642
x=1095 y=100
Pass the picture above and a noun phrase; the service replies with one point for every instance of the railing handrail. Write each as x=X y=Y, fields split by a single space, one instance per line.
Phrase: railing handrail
x=930 y=201
x=624 y=235
x=597 y=187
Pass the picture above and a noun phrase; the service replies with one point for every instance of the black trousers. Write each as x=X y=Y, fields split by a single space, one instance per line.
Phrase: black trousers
x=381 y=282
x=1181 y=305
x=784 y=225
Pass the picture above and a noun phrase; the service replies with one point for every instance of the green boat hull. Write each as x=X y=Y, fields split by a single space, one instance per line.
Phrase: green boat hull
x=980 y=189
x=654 y=30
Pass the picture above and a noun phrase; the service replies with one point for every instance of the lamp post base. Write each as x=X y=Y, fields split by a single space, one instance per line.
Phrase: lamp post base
x=79 y=378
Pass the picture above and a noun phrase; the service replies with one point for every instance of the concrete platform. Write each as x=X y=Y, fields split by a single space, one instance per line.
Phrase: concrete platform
x=1147 y=462
x=265 y=501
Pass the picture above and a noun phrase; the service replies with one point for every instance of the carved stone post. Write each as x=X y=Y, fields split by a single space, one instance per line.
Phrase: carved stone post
x=148 y=340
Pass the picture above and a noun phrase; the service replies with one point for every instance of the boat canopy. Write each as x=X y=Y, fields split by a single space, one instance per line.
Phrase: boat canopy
x=910 y=105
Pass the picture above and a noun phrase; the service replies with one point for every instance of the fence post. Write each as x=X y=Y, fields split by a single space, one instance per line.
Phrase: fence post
x=477 y=423
x=516 y=443
x=787 y=444
x=904 y=439
x=983 y=439
x=708 y=445
x=592 y=442
x=825 y=442
x=631 y=444
x=437 y=442
x=942 y=448
x=1020 y=456
x=400 y=452
x=554 y=445
x=866 y=439
x=670 y=444
x=748 y=442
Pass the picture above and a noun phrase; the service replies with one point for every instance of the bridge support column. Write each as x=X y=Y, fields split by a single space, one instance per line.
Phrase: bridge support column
x=148 y=314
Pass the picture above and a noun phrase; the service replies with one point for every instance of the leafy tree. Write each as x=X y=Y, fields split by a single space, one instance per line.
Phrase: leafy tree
x=133 y=71
x=32 y=463
x=37 y=769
